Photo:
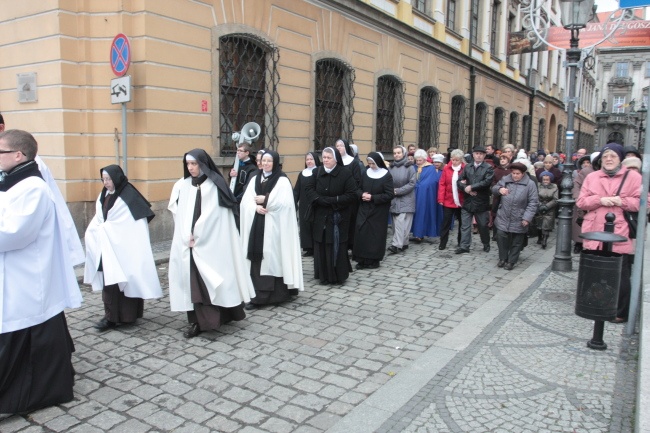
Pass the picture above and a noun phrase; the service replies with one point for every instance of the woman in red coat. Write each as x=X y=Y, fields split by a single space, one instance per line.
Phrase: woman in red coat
x=600 y=195
x=449 y=197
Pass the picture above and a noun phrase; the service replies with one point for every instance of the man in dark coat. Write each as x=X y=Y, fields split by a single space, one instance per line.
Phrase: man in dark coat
x=245 y=171
x=475 y=182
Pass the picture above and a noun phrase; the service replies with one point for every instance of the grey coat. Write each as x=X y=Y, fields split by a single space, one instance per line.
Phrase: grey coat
x=519 y=204
x=547 y=202
x=403 y=174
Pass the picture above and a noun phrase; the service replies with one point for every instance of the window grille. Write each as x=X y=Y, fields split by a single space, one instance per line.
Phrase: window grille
x=457 y=123
x=514 y=128
x=525 y=133
x=334 y=103
x=541 y=135
x=248 y=79
x=429 y=118
x=451 y=14
x=560 y=137
x=499 y=127
x=480 y=124
x=390 y=113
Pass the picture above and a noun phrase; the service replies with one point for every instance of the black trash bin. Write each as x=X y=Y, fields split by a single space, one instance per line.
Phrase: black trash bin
x=599 y=278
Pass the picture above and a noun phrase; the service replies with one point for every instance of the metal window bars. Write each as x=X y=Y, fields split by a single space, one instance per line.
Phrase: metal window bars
x=480 y=124
x=513 y=132
x=390 y=113
x=248 y=83
x=499 y=127
x=334 y=102
x=560 y=137
x=429 y=118
x=525 y=133
x=457 y=123
x=541 y=134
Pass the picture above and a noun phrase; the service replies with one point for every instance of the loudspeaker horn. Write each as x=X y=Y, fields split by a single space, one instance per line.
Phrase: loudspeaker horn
x=250 y=132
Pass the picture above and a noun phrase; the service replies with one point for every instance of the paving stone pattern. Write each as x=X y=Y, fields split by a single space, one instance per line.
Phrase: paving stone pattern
x=531 y=372
x=302 y=366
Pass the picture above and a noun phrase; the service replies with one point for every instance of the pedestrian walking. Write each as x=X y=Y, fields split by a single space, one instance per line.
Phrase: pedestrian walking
x=402 y=207
x=302 y=203
x=450 y=197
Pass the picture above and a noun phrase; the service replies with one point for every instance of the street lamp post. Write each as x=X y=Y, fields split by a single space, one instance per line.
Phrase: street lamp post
x=642 y=113
x=575 y=15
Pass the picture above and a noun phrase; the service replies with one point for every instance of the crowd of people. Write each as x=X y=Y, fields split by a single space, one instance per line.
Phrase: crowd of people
x=237 y=247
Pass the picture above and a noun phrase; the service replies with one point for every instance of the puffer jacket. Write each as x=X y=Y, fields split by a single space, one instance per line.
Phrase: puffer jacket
x=597 y=185
x=404 y=183
x=548 y=196
x=480 y=178
x=519 y=204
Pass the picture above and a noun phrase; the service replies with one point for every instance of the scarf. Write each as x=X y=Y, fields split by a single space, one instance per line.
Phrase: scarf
x=612 y=172
x=263 y=186
x=19 y=173
x=454 y=185
x=137 y=204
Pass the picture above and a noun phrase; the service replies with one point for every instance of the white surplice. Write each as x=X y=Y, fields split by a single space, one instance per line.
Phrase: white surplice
x=281 y=238
x=37 y=280
x=217 y=251
x=124 y=247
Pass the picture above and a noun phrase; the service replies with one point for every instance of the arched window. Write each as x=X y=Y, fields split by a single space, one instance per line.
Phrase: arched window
x=541 y=134
x=429 y=118
x=334 y=102
x=525 y=133
x=457 y=123
x=499 y=126
x=513 y=132
x=248 y=80
x=480 y=124
x=390 y=113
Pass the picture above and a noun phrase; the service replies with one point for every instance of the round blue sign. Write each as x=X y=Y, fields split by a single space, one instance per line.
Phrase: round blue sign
x=120 y=55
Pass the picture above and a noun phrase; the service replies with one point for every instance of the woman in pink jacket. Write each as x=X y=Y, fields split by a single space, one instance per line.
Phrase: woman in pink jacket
x=599 y=195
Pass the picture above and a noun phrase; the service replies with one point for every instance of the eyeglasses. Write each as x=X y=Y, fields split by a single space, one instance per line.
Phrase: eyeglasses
x=241 y=150
x=9 y=151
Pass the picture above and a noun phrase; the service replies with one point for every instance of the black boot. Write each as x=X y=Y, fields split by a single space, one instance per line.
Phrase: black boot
x=577 y=248
x=539 y=238
x=544 y=241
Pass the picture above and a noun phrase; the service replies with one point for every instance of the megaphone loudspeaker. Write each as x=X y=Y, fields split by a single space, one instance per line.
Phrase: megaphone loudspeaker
x=250 y=132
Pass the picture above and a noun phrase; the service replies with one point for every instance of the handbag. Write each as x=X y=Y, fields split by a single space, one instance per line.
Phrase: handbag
x=632 y=218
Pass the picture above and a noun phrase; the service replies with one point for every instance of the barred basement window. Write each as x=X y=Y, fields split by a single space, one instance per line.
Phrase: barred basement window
x=560 y=137
x=457 y=123
x=499 y=127
x=334 y=103
x=480 y=124
x=525 y=133
x=429 y=118
x=541 y=134
x=514 y=128
x=248 y=79
x=390 y=113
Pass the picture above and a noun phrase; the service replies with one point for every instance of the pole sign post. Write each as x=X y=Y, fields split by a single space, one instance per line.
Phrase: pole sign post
x=121 y=87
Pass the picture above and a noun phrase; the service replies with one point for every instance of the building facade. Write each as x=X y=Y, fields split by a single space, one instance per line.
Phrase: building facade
x=378 y=72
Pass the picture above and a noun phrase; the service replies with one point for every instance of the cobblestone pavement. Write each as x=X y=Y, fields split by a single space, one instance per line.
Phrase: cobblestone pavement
x=309 y=365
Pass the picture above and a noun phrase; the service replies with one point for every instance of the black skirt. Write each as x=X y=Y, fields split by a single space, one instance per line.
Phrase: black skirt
x=36 y=366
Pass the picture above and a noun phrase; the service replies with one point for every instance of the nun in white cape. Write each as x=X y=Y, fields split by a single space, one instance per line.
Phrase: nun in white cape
x=207 y=274
x=269 y=234
x=119 y=260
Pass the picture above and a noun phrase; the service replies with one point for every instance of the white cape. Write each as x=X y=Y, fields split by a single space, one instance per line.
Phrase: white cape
x=124 y=247
x=281 y=240
x=37 y=280
x=217 y=252
x=66 y=222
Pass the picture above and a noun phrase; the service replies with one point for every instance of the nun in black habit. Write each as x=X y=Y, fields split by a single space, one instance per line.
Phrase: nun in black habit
x=351 y=162
x=331 y=190
x=312 y=161
x=372 y=218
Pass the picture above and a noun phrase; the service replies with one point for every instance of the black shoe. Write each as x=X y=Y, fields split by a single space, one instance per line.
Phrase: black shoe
x=393 y=249
x=250 y=306
x=500 y=263
x=508 y=266
x=105 y=325
x=577 y=248
x=192 y=331
x=404 y=248
x=308 y=253
x=442 y=247
x=461 y=251
x=359 y=266
x=486 y=248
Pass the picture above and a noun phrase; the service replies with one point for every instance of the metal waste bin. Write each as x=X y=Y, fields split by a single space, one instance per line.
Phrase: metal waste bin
x=599 y=278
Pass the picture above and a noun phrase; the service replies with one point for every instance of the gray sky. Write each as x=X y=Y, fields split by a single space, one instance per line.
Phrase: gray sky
x=607 y=5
